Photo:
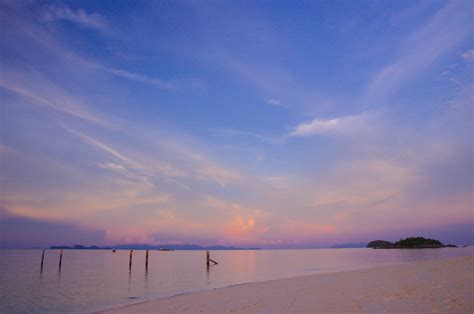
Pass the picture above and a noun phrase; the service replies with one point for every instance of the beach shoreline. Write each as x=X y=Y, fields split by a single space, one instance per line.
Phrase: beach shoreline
x=442 y=285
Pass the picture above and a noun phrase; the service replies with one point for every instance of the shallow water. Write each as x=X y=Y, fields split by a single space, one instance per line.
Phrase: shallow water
x=91 y=280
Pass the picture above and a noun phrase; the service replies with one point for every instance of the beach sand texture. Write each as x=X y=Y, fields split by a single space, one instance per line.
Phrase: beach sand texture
x=434 y=286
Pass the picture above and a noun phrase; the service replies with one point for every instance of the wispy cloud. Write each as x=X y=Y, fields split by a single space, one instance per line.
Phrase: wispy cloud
x=81 y=17
x=268 y=79
x=129 y=168
x=253 y=135
x=345 y=124
x=132 y=168
x=142 y=78
x=468 y=55
x=89 y=140
x=275 y=102
x=317 y=126
x=111 y=166
x=4 y=149
x=61 y=102
x=422 y=48
x=193 y=166
x=174 y=84
x=221 y=175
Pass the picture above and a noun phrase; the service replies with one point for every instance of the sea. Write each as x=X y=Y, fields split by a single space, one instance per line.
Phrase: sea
x=93 y=280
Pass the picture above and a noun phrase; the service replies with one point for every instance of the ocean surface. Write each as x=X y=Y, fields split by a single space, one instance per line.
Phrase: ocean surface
x=97 y=279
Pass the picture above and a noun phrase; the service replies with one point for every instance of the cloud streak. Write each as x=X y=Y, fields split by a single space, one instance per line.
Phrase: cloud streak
x=55 y=12
x=276 y=102
x=142 y=78
x=100 y=145
x=468 y=55
x=341 y=125
x=68 y=105
x=170 y=85
x=423 y=47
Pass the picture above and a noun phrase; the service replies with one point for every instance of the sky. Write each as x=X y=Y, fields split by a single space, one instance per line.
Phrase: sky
x=276 y=124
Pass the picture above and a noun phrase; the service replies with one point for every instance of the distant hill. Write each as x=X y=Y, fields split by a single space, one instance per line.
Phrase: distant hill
x=176 y=247
x=408 y=243
x=380 y=244
x=150 y=247
x=78 y=247
x=349 y=245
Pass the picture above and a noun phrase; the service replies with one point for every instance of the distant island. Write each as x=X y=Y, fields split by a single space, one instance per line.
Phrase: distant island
x=349 y=245
x=163 y=247
x=408 y=243
x=78 y=247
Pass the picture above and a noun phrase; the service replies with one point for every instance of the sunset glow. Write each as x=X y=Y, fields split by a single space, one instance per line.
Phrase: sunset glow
x=235 y=123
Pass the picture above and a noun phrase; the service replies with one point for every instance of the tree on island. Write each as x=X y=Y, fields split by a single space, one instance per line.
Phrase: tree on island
x=379 y=244
x=419 y=241
x=408 y=243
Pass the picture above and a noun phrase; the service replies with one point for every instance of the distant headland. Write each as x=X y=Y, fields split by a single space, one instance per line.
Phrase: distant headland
x=409 y=243
x=352 y=245
x=79 y=247
x=167 y=247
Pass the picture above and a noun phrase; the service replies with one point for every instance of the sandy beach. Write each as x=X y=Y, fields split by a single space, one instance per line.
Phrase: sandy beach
x=434 y=286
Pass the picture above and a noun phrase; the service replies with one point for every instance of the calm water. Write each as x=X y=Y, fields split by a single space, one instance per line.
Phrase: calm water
x=91 y=280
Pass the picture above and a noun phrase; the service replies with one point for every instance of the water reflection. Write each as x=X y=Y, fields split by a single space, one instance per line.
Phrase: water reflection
x=208 y=274
x=146 y=281
x=130 y=282
x=92 y=278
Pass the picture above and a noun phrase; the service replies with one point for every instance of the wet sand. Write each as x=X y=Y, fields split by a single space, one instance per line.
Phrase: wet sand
x=434 y=286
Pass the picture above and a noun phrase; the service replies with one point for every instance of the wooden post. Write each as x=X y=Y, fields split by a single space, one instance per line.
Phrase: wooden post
x=130 y=260
x=146 y=260
x=60 y=259
x=209 y=259
x=42 y=260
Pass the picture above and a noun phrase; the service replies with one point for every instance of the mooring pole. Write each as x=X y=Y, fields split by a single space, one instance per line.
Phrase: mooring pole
x=42 y=260
x=60 y=259
x=130 y=260
x=209 y=259
x=146 y=260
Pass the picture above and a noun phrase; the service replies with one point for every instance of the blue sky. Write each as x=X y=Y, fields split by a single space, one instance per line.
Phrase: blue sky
x=277 y=124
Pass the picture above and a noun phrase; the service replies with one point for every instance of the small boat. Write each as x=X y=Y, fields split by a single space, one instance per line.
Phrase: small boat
x=166 y=250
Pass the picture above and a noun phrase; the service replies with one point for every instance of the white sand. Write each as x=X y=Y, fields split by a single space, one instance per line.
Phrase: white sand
x=434 y=286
